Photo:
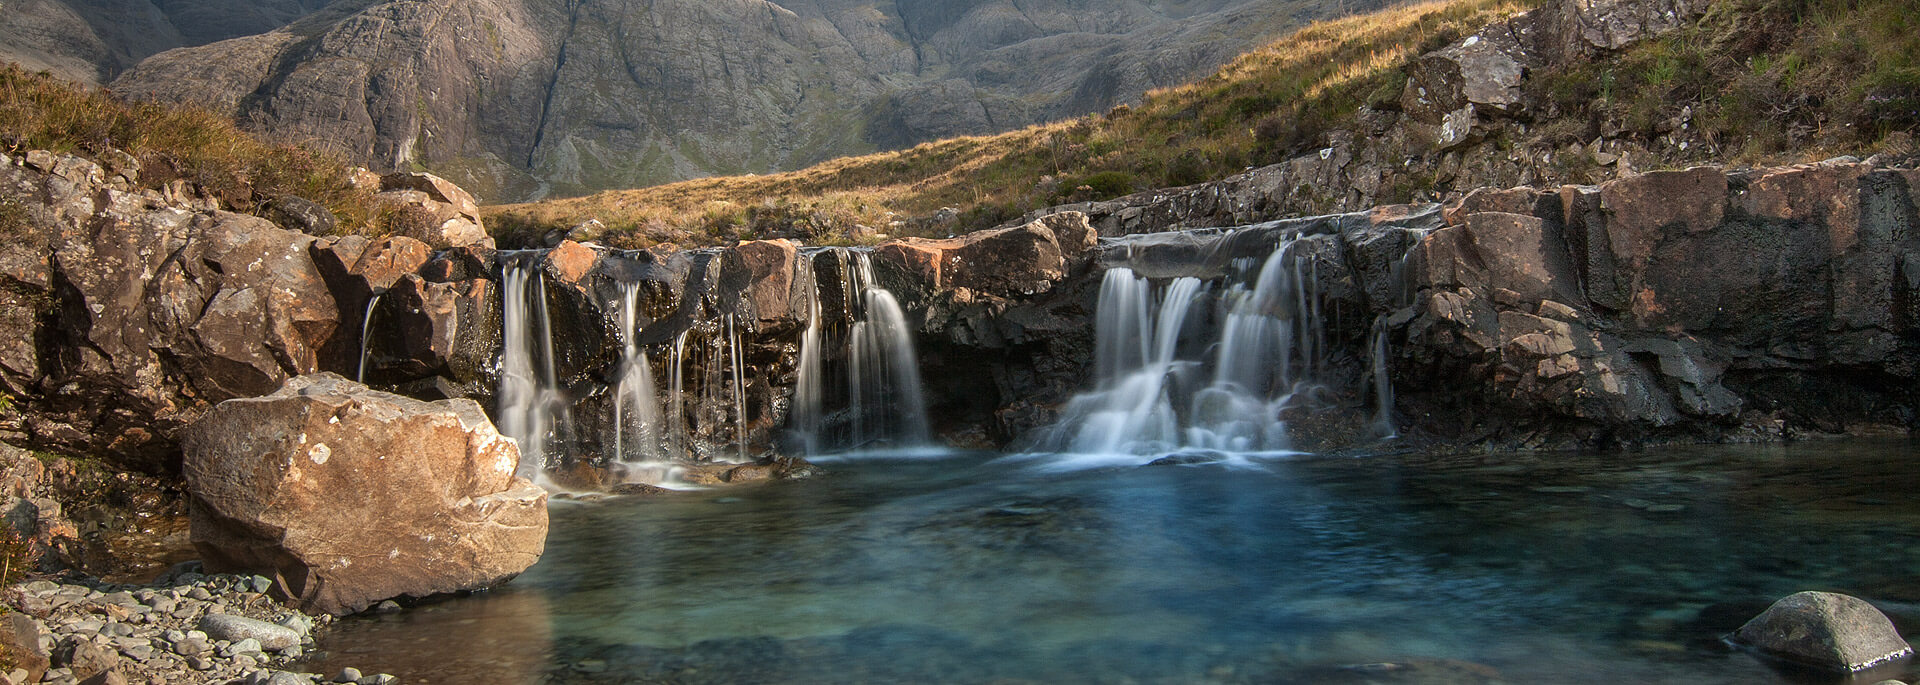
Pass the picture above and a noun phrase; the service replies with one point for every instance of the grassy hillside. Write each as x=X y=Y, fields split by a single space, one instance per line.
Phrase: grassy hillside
x=1260 y=109
x=1764 y=80
x=40 y=112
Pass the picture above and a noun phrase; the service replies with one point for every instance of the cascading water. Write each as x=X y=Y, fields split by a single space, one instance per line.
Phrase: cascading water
x=882 y=397
x=1382 y=386
x=366 y=328
x=532 y=407
x=1162 y=389
x=636 y=424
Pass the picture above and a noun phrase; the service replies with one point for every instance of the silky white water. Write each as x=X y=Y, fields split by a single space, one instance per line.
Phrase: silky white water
x=1169 y=381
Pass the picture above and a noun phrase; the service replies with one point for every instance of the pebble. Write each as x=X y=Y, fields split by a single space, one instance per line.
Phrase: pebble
x=191 y=647
x=246 y=646
x=222 y=628
x=347 y=675
x=262 y=634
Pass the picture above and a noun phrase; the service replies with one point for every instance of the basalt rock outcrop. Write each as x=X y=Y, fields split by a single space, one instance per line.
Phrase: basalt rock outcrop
x=521 y=99
x=1704 y=304
x=346 y=496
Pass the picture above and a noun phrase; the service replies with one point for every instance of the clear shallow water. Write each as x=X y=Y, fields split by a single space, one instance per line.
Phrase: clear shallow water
x=1508 y=568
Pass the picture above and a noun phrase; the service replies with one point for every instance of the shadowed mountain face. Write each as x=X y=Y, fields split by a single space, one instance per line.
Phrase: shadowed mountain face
x=91 y=41
x=521 y=99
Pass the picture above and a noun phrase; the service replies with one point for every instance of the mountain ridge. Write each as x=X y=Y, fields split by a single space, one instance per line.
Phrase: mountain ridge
x=530 y=98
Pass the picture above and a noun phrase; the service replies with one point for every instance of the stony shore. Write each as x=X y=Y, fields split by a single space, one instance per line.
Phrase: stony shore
x=185 y=627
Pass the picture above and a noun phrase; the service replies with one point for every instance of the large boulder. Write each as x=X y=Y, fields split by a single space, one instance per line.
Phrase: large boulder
x=1825 y=630
x=347 y=496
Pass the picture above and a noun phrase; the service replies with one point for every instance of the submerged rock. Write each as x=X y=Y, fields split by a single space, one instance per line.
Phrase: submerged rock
x=1825 y=630
x=348 y=496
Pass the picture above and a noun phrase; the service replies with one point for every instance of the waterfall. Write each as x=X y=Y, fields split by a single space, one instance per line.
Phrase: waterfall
x=1130 y=410
x=636 y=424
x=678 y=440
x=881 y=399
x=531 y=404
x=808 y=397
x=366 y=326
x=734 y=356
x=1382 y=385
x=1167 y=381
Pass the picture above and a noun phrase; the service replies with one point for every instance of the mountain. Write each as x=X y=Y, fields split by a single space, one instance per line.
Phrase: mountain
x=91 y=41
x=530 y=98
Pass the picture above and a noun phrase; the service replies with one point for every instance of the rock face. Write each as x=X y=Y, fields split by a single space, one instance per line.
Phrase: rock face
x=347 y=496
x=129 y=314
x=518 y=99
x=1703 y=304
x=1824 y=630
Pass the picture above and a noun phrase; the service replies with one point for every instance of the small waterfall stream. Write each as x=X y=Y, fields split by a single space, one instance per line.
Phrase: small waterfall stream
x=532 y=407
x=637 y=422
x=1181 y=369
x=857 y=380
x=366 y=328
x=882 y=401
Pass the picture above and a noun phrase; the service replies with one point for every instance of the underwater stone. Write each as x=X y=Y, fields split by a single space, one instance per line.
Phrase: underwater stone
x=1825 y=630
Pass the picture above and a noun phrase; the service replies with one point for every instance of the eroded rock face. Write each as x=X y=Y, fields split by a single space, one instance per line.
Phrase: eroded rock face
x=347 y=496
x=135 y=314
x=1825 y=630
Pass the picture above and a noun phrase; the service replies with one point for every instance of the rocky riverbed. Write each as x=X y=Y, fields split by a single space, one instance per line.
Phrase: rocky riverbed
x=185 y=627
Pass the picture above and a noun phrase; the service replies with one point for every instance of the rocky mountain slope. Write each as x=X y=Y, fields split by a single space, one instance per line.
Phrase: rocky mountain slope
x=525 y=98
x=1416 y=103
x=91 y=41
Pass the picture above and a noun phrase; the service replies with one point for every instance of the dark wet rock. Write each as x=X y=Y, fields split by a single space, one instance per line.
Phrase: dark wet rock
x=1188 y=459
x=434 y=504
x=445 y=334
x=1825 y=630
